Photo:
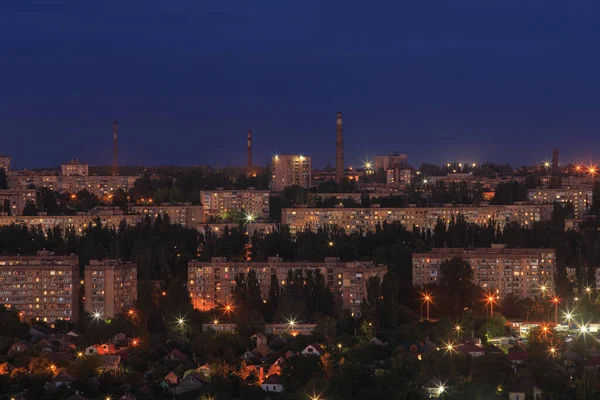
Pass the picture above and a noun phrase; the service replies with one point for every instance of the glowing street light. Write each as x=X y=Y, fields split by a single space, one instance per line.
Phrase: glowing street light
x=449 y=347
x=250 y=218
x=425 y=181
x=80 y=354
x=97 y=315
x=315 y=397
x=491 y=300
x=588 y=290
x=552 y=351
x=556 y=300
x=291 y=323
x=426 y=299
x=547 y=164
x=330 y=244
x=441 y=389
x=180 y=321
x=568 y=316
x=457 y=328
x=339 y=346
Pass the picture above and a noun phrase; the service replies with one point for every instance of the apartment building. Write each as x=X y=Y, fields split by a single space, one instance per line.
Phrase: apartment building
x=211 y=283
x=399 y=177
x=77 y=222
x=185 y=214
x=354 y=219
x=16 y=200
x=20 y=180
x=580 y=199
x=522 y=272
x=289 y=170
x=5 y=163
x=110 y=287
x=44 y=287
x=74 y=168
x=100 y=185
x=390 y=162
x=220 y=203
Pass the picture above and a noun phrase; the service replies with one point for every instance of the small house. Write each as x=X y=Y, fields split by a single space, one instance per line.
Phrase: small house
x=313 y=350
x=272 y=384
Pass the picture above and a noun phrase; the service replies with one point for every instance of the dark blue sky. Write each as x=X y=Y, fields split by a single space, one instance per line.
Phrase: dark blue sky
x=497 y=80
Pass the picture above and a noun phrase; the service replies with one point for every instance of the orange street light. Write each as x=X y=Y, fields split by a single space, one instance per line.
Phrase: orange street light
x=491 y=300
x=556 y=300
x=427 y=299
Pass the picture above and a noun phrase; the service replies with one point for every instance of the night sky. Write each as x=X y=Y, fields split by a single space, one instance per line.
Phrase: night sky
x=496 y=80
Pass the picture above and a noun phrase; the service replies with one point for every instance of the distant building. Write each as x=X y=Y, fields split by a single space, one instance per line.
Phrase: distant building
x=217 y=229
x=400 y=177
x=188 y=215
x=110 y=287
x=74 y=168
x=289 y=170
x=580 y=199
x=211 y=283
x=355 y=219
x=76 y=222
x=17 y=200
x=5 y=163
x=220 y=203
x=390 y=162
x=100 y=185
x=44 y=287
x=497 y=270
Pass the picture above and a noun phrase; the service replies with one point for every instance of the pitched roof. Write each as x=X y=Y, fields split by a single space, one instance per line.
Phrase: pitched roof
x=273 y=379
x=176 y=354
x=63 y=376
x=471 y=348
x=262 y=350
x=317 y=347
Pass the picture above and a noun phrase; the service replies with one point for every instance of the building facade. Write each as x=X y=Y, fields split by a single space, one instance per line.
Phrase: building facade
x=497 y=270
x=76 y=222
x=185 y=214
x=74 y=168
x=354 y=219
x=5 y=163
x=110 y=287
x=390 y=162
x=289 y=170
x=580 y=199
x=220 y=203
x=16 y=200
x=211 y=283
x=44 y=287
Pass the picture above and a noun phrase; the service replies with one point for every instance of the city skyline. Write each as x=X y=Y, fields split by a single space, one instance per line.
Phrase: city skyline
x=462 y=81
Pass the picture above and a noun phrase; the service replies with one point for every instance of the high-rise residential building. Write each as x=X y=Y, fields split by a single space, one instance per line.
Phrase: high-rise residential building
x=185 y=214
x=289 y=170
x=76 y=222
x=5 y=163
x=221 y=203
x=395 y=160
x=355 y=219
x=399 y=177
x=15 y=200
x=580 y=199
x=44 y=287
x=497 y=270
x=210 y=283
x=110 y=287
x=100 y=185
x=74 y=168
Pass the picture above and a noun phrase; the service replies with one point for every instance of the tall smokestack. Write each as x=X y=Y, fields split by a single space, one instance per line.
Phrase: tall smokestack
x=555 y=160
x=115 y=149
x=249 y=167
x=339 y=150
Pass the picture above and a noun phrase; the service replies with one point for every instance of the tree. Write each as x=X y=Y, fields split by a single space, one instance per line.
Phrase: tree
x=273 y=297
x=3 y=180
x=6 y=207
x=30 y=209
x=456 y=291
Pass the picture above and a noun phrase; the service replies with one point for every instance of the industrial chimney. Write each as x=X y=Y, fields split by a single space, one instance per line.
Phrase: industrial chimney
x=249 y=167
x=339 y=151
x=555 y=160
x=115 y=159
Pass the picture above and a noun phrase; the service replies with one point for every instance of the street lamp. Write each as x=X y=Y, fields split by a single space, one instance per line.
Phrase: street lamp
x=250 y=218
x=556 y=300
x=552 y=351
x=490 y=299
x=588 y=290
x=450 y=347
x=457 y=328
x=426 y=299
